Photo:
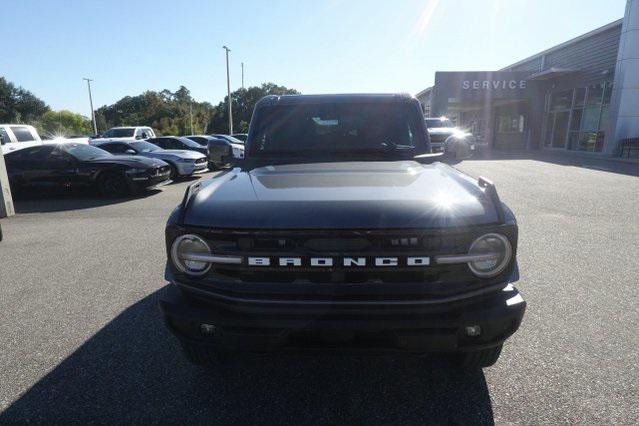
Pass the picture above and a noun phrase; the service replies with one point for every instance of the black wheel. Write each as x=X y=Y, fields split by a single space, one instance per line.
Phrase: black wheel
x=478 y=359
x=112 y=185
x=207 y=355
x=174 y=172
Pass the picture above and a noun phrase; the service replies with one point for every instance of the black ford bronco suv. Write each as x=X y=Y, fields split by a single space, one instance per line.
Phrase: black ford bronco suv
x=341 y=230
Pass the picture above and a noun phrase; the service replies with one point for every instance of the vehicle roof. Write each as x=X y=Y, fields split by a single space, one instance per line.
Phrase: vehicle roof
x=16 y=124
x=198 y=136
x=169 y=137
x=335 y=98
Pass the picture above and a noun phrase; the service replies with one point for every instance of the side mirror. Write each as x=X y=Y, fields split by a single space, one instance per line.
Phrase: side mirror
x=236 y=162
x=2 y=142
x=130 y=151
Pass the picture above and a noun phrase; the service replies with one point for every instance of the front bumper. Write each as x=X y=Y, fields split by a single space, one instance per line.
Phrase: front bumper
x=187 y=169
x=144 y=182
x=252 y=325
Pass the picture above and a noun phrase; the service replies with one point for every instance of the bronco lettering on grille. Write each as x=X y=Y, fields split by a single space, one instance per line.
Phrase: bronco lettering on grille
x=347 y=262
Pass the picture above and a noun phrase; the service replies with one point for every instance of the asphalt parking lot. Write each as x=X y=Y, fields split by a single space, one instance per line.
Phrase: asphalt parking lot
x=82 y=339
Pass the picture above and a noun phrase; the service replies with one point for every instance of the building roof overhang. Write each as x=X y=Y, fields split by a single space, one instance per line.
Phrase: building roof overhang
x=551 y=73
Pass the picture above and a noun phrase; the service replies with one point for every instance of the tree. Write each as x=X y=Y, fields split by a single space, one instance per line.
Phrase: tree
x=63 y=123
x=169 y=113
x=18 y=105
x=244 y=101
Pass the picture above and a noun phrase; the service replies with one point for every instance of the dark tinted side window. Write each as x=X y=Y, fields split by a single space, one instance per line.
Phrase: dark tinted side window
x=32 y=156
x=159 y=142
x=199 y=139
x=22 y=134
x=170 y=144
x=4 y=136
x=59 y=158
x=115 y=148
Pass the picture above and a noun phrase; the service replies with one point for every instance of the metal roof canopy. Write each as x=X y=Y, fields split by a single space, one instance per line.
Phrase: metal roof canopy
x=552 y=72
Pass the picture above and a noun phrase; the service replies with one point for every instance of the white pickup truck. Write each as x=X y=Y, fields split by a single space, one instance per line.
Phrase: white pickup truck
x=124 y=134
x=18 y=136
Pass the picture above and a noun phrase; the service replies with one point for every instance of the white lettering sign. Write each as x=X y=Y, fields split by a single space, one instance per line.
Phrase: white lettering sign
x=493 y=84
x=418 y=261
x=385 y=261
x=259 y=261
x=321 y=261
x=290 y=261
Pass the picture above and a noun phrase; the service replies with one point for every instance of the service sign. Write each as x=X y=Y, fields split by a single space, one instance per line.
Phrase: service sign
x=480 y=86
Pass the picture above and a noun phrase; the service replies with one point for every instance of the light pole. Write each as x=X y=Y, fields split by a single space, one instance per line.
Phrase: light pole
x=228 y=90
x=95 y=127
x=242 y=75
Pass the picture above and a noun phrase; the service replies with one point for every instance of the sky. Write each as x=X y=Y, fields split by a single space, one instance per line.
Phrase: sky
x=331 y=46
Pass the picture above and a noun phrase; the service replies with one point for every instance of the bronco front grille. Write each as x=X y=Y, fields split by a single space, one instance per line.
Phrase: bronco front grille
x=353 y=256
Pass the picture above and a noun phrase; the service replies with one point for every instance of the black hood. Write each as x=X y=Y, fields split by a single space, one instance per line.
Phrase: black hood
x=357 y=195
x=129 y=161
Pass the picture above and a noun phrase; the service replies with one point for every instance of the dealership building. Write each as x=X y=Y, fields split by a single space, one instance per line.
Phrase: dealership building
x=582 y=95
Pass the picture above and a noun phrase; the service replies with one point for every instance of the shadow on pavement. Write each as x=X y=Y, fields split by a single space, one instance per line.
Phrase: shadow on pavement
x=608 y=164
x=132 y=371
x=47 y=203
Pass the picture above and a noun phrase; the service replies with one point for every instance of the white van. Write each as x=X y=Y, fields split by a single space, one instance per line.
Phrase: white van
x=17 y=136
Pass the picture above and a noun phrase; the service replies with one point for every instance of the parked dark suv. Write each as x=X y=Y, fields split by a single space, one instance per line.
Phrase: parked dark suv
x=341 y=229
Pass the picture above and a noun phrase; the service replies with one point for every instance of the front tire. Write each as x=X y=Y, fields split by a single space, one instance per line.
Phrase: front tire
x=113 y=185
x=477 y=359
x=174 y=172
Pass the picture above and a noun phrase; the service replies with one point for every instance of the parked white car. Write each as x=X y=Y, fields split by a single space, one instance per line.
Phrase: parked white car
x=124 y=134
x=18 y=136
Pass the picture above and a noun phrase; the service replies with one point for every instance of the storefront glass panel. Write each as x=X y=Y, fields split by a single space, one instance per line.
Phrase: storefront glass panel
x=587 y=113
x=595 y=94
x=560 y=129
x=580 y=97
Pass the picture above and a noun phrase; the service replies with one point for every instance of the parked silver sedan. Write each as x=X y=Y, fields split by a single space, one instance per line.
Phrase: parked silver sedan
x=182 y=162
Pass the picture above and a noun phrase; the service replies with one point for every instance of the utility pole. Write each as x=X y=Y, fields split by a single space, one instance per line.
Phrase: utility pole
x=95 y=126
x=228 y=90
x=242 y=75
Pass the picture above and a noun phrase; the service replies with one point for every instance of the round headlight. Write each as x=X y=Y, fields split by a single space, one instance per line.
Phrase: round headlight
x=184 y=247
x=496 y=251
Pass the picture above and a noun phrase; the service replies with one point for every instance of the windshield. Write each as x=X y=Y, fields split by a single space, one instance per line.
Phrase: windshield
x=84 y=152
x=145 y=147
x=229 y=138
x=299 y=130
x=119 y=133
x=438 y=122
x=188 y=142
x=241 y=137
x=234 y=140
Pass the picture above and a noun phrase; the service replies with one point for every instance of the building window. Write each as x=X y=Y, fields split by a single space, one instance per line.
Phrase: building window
x=578 y=124
x=511 y=123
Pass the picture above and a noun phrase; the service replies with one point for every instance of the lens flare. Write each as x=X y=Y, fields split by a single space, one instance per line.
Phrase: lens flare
x=425 y=17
